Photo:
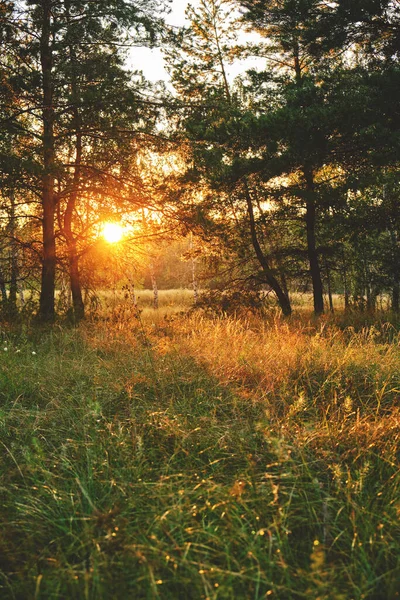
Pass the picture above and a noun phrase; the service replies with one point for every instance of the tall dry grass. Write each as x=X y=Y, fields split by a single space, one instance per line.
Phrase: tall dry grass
x=155 y=455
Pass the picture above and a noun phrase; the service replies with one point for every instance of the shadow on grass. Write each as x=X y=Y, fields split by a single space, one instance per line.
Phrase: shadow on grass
x=129 y=470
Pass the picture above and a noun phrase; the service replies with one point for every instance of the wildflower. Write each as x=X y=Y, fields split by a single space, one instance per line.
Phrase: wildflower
x=5 y=349
x=33 y=352
x=17 y=351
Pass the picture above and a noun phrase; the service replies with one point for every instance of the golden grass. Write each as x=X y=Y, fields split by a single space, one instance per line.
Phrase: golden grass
x=302 y=372
x=162 y=455
x=276 y=354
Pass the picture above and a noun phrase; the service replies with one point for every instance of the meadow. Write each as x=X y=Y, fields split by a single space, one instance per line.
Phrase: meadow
x=173 y=454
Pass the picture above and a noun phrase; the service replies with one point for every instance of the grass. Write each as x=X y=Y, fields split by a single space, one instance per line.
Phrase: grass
x=178 y=456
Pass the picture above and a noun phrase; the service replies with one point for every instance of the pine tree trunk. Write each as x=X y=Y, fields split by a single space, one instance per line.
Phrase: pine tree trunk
x=328 y=284
x=75 y=283
x=12 y=299
x=369 y=288
x=396 y=298
x=396 y=258
x=194 y=282
x=194 y=278
x=315 y=270
x=21 y=294
x=284 y=282
x=73 y=256
x=47 y=291
x=73 y=260
x=64 y=301
x=310 y=217
x=3 y=291
x=270 y=279
x=371 y=299
x=345 y=284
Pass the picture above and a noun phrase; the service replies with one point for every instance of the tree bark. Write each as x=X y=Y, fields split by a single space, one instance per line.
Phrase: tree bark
x=345 y=283
x=12 y=299
x=270 y=279
x=369 y=288
x=221 y=63
x=328 y=284
x=310 y=217
x=194 y=278
x=3 y=291
x=21 y=294
x=396 y=298
x=396 y=258
x=75 y=283
x=47 y=291
x=73 y=256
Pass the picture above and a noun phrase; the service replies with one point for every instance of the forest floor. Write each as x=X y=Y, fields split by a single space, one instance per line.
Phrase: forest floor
x=186 y=456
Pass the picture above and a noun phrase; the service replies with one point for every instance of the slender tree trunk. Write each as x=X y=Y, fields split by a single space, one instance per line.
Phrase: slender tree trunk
x=73 y=256
x=370 y=299
x=194 y=277
x=345 y=283
x=369 y=288
x=396 y=298
x=310 y=216
x=328 y=284
x=75 y=283
x=64 y=300
x=396 y=277
x=154 y=285
x=21 y=294
x=315 y=270
x=284 y=282
x=3 y=291
x=297 y=65
x=47 y=291
x=12 y=299
x=270 y=279
x=194 y=282
x=222 y=65
x=151 y=264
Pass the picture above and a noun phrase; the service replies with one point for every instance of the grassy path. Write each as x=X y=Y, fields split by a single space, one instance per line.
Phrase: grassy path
x=199 y=459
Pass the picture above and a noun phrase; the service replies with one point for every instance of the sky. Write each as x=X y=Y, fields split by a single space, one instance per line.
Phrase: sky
x=151 y=61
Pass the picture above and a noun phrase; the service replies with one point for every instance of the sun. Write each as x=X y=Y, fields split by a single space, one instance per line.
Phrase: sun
x=112 y=232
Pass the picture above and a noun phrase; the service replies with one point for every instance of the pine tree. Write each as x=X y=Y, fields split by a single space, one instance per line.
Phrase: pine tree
x=210 y=113
x=80 y=97
x=296 y=130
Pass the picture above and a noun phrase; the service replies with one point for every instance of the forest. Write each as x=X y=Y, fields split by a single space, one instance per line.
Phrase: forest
x=200 y=300
x=285 y=176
